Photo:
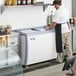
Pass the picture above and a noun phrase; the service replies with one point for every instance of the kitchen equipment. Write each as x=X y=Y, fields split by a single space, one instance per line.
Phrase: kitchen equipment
x=50 y=19
x=37 y=45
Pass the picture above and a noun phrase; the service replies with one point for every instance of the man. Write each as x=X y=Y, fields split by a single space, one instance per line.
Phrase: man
x=62 y=30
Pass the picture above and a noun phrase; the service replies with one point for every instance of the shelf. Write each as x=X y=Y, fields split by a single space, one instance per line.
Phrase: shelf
x=2 y=8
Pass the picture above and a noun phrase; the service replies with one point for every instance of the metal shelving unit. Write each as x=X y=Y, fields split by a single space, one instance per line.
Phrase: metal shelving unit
x=2 y=8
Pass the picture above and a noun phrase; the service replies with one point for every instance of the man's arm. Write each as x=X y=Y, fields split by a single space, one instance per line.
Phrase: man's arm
x=52 y=25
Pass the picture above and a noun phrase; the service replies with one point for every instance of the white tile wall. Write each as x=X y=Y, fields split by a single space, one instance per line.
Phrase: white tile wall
x=23 y=16
x=68 y=5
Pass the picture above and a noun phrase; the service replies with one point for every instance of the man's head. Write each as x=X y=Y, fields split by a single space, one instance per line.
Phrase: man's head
x=56 y=4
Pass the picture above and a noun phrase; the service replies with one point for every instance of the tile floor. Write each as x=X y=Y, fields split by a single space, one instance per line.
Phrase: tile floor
x=48 y=69
x=55 y=70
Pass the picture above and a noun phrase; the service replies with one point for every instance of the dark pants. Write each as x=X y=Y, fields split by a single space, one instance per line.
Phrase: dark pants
x=58 y=38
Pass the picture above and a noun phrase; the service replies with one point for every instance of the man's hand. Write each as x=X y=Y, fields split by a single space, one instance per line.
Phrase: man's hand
x=47 y=28
x=52 y=25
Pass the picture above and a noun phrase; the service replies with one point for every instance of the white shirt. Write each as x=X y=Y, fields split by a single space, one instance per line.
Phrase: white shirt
x=62 y=16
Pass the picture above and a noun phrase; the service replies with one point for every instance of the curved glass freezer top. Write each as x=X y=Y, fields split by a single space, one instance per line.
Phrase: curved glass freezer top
x=10 y=63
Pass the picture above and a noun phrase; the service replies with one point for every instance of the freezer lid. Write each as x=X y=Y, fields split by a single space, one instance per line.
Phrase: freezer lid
x=28 y=31
x=35 y=31
x=43 y=29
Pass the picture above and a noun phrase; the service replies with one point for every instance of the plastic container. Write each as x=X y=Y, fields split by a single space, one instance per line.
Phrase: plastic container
x=33 y=1
x=14 y=2
x=28 y=1
x=71 y=20
x=18 y=2
x=74 y=20
x=8 y=2
x=0 y=41
x=24 y=2
x=6 y=40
